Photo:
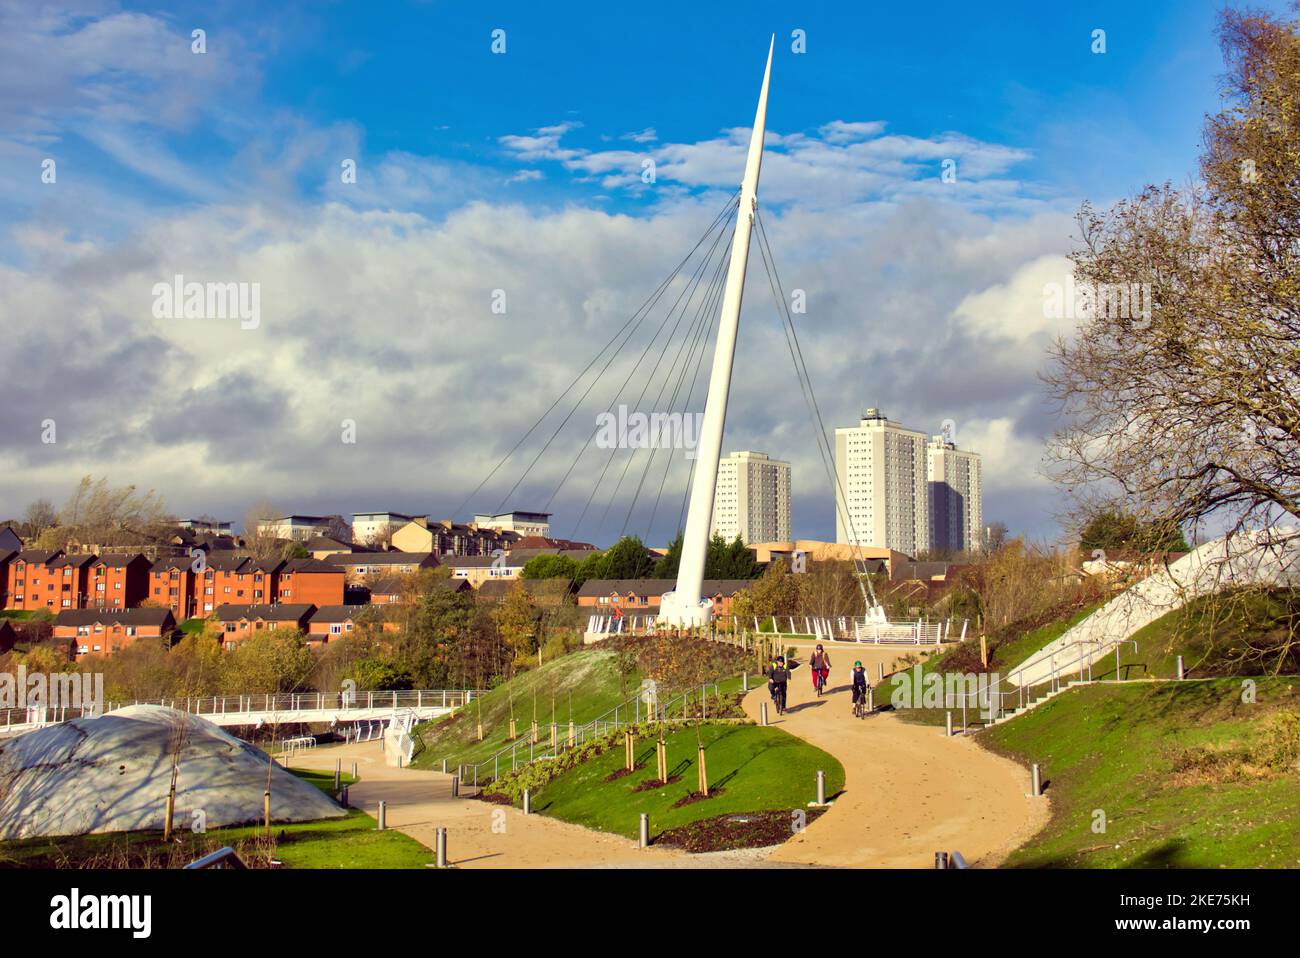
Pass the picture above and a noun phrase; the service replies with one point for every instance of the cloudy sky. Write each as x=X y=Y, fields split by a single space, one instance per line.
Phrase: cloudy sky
x=128 y=158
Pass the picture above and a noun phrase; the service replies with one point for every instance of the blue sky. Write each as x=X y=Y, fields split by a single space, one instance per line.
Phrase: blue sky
x=521 y=171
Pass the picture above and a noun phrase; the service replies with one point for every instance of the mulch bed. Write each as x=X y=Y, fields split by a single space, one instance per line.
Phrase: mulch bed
x=728 y=832
x=622 y=772
x=690 y=798
x=496 y=798
x=651 y=784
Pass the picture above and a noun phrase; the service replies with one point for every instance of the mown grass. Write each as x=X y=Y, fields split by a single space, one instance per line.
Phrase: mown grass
x=1186 y=774
x=586 y=681
x=750 y=768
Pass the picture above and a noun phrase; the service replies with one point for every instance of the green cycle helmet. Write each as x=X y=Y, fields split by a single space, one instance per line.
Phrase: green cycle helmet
x=857 y=664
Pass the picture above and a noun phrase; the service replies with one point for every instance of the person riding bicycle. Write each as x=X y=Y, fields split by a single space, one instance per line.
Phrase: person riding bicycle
x=859 y=684
x=821 y=668
x=777 y=681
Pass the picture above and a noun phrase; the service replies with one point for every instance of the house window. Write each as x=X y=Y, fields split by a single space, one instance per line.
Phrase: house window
x=336 y=629
x=82 y=649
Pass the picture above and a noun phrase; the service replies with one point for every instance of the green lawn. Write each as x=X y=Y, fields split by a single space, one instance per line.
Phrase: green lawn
x=1010 y=654
x=16 y=613
x=194 y=626
x=350 y=842
x=1187 y=775
x=751 y=768
x=587 y=678
x=1208 y=632
x=590 y=676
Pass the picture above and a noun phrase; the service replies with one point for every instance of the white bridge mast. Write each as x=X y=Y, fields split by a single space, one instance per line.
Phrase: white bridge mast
x=684 y=605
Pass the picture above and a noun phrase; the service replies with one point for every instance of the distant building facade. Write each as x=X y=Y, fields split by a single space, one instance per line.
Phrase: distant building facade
x=956 y=496
x=752 y=499
x=523 y=523
x=903 y=490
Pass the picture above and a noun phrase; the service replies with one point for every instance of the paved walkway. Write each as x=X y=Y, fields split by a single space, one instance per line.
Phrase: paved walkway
x=484 y=835
x=909 y=790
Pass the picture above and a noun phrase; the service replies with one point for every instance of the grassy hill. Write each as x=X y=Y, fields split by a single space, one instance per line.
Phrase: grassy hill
x=751 y=769
x=1187 y=775
x=589 y=678
x=1211 y=633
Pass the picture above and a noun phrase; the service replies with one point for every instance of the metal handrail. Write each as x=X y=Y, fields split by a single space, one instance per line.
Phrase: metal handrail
x=222 y=858
x=468 y=774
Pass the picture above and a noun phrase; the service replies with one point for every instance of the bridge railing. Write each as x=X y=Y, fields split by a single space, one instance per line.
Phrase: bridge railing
x=340 y=702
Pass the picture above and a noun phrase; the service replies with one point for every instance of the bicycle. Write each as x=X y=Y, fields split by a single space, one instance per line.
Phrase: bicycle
x=778 y=697
x=819 y=681
x=859 y=703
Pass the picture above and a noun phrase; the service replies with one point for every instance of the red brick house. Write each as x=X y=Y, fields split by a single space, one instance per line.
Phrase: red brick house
x=30 y=582
x=172 y=583
x=118 y=581
x=106 y=631
x=332 y=622
x=311 y=581
x=642 y=596
x=234 y=623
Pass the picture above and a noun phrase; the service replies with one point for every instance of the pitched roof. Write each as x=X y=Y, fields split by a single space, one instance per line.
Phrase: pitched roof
x=598 y=587
x=118 y=560
x=337 y=613
x=507 y=561
x=321 y=543
x=38 y=556
x=391 y=557
x=282 y=612
x=311 y=565
x=159 y=617
x=75 y=561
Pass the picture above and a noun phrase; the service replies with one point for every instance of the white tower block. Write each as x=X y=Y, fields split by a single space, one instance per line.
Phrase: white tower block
x=684 y=606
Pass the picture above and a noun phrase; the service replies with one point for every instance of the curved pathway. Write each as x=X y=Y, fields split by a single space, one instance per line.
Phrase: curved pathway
x=909 y=791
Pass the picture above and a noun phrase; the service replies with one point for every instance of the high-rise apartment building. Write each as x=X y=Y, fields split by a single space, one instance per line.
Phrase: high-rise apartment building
x=752 y=498
x=956 y=496
x=900 y=489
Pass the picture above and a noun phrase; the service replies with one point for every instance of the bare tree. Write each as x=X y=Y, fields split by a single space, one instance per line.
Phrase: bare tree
x=1185 y=406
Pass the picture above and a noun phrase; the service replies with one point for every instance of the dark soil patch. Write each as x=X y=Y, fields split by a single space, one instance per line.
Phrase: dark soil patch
x=622 y=772
x=496 y=798
x=651 y=784
x=690 y=798
x=727 y=832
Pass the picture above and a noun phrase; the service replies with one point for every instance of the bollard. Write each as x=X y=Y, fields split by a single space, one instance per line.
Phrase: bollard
x=343 y=797
x=528 y=802
x=1035 y=780
x=821 y=787
x=871 y=699
x=440 y=846
x=383 y=816
x=1181 y=673
x=744 y=681
x=455 y=786
x=941 y=860
x=444 y=766
x=645 y=830
x=948 y=723
x=355 y=777
x=338 y=773
x=762 y=713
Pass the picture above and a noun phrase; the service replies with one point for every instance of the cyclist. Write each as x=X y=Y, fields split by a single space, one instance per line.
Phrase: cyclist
x=859 y=686
x=821 y=668
x=777 y=681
